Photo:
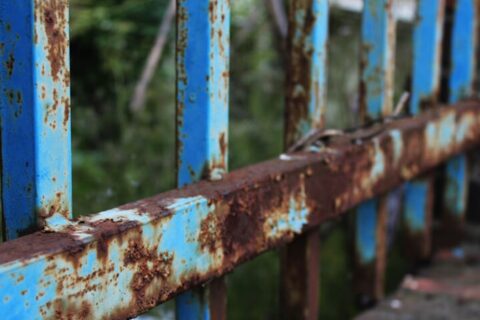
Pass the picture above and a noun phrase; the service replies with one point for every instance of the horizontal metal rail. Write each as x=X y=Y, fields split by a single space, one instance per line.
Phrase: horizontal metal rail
x=121 y=262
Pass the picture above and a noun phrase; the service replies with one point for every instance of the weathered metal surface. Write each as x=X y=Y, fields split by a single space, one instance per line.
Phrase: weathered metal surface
x=377 y=60
x=418 y=236
x=300 y=285
x=427 y=46
x=376 y=99
x=203 y=51
x=35 y=113
x=306 y=69
x=305 y=111
x=123 y=261
x=461 y=85
x=463 y=46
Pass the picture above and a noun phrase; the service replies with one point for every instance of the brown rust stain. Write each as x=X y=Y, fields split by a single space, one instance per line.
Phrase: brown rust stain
x=52 y=14
x=299 y=281
x=181 y=42
x=223 y=146
x=427 y=103
x=57 y=205
x=327 y=183
x=208 y=236
x=299 y=69
x=10 y=64
x=78 y=311
x=153 y=270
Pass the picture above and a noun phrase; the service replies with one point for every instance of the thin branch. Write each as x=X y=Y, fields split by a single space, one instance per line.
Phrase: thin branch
x=138 y=100
x=277 y=10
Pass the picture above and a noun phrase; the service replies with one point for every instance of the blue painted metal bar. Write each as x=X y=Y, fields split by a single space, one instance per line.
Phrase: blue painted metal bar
x=306 y=101
x=306 y=97
x=427 y=45
x=203 y=51
x=35 y=113
x=461 y=85
x=376 y=99
x=121 y=262
x=378 y=52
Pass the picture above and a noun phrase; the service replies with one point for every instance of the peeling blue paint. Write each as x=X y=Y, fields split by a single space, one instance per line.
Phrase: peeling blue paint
x=461 y=83
x=203 y=53
x=309 y=24
x=378 y=49
x=35 y=115
x=202 y=89
x=456 y=186
x=427 y=42
x=365 y=235
x=318 y=40
x=293 y=220
x=377 y=57
x=463 y=42
x=427 y=38
x=415 y=204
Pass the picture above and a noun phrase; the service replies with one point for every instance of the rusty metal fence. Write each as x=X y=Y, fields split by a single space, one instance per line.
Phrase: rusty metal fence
x=119 y=263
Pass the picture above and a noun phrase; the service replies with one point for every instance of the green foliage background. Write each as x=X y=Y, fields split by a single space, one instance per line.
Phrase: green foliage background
x=120 y=156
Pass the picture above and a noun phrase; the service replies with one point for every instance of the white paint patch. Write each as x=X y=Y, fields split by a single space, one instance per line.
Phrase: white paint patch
x=378 y=167
x=293 y=220
x=396 y=137
x=117 y=215
x=58 y=223
x=463 y=128
x=403 y=9
x=182 y=203
x=287 y=157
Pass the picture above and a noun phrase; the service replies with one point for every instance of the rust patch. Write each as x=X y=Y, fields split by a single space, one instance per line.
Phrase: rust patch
x=66 y=111
x=208 y=233
x=299 y=69
x=9 y=64
x=82 y=311
x=52 y=14
x=300 y=280
x=223 y=146
x=428 y=102
x=151 y=267
x=58 y=205
x=253 y=211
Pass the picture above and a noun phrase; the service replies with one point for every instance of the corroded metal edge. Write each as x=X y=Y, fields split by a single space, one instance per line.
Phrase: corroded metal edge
x=121 y=262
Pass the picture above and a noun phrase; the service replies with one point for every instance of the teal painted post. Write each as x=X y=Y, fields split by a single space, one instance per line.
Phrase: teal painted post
x=427 y=45
x=203 y=52
x=305 y=111
x=376 y=99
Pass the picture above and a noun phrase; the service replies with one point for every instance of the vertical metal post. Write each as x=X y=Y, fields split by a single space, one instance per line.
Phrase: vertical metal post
x=203 y=51
x=376 y=99
x=35 y=113
x=305 y=111
x=461 y=85
x=427 y=45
